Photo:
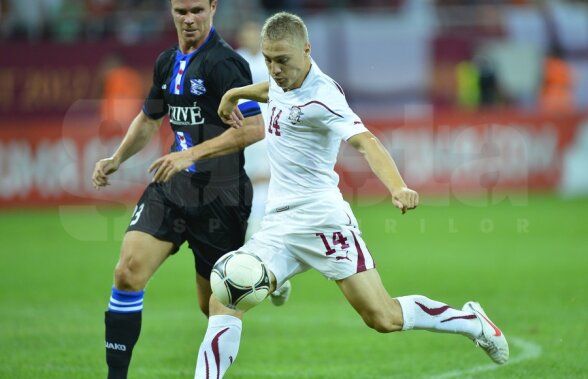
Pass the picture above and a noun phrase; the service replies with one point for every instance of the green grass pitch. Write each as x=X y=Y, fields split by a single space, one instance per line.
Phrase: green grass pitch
x=525 y=259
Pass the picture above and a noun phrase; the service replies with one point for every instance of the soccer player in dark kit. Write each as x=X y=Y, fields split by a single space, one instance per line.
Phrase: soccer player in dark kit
x=206 y=204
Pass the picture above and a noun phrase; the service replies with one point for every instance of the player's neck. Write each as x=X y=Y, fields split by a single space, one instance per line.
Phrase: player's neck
x=187 y=47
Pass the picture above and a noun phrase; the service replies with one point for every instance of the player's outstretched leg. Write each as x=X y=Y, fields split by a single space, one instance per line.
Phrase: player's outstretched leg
x=220 y=345
x=281 y=295
x=492 y=340
x=368 y=296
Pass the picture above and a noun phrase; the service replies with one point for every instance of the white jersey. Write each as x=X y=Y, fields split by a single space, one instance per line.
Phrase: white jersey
x=305 y=129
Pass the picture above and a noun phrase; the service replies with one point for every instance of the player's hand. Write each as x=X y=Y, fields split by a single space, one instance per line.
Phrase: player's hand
x=169 y=165
x=102 y=169
x=405 y=199
x=229 y=112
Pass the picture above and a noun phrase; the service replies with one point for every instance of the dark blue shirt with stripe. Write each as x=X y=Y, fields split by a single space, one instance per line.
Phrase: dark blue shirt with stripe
x=190 y=93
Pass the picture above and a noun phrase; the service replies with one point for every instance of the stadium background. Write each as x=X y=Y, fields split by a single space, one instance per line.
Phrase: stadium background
x=484 y=105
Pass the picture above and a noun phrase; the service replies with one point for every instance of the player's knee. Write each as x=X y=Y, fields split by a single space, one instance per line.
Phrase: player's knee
x=381 y=321
x=127 y=278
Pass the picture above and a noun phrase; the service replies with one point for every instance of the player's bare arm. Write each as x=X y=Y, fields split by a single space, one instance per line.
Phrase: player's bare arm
x=230 y=141
x=383 y=165
x=137 y=137
x=228 y=110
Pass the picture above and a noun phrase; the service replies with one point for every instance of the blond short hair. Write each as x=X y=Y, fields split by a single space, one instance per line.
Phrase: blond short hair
x=284 y=25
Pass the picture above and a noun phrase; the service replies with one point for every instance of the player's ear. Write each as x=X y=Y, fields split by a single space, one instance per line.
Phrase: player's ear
x=213 y=4
x=307 y=49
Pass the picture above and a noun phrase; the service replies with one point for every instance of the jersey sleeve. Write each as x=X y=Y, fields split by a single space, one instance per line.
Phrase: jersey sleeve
x=231 y=73
x=338 y=116
x=154 y=105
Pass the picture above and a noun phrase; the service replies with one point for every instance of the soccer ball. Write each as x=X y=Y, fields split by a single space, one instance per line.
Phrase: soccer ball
x=240 y=280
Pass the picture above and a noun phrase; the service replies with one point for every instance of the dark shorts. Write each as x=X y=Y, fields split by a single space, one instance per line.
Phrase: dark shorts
x=213 y=219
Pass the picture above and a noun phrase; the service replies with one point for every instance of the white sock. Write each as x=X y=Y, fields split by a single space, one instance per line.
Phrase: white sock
x=219 y=347
x=420 y=312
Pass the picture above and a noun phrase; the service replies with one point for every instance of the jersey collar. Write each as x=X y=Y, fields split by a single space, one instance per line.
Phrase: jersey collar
x=311 y=73
x=212 y=36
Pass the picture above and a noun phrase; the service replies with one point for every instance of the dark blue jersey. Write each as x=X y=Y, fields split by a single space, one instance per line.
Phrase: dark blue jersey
x=188 y=88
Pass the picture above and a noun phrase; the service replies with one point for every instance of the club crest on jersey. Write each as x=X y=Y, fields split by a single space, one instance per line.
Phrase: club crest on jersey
x=295 y=113
x=197 y=87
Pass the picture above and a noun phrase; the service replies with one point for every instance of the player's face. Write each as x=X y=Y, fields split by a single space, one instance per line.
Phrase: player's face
x=193 y=20
x=288 y=61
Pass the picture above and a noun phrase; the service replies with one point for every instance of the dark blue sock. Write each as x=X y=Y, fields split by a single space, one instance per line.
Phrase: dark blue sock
x=123 y=326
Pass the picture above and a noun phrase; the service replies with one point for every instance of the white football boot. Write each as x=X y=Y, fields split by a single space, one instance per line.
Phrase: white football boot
x=281 y=295
x=492 y=340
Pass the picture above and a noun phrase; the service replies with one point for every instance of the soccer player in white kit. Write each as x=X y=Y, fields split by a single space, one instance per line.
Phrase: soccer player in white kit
x=307 y=222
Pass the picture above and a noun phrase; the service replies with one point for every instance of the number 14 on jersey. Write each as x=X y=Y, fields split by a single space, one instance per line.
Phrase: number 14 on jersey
x=274 y=127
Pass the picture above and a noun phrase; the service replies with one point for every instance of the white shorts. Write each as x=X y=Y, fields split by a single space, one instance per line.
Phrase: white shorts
x=320 y=234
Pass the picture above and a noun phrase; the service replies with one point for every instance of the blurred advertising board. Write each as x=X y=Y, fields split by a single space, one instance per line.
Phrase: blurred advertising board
x=453 y=154
x=51 y=162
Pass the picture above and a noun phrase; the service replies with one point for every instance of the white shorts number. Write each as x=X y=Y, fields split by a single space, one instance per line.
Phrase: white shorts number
x=137 y=213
